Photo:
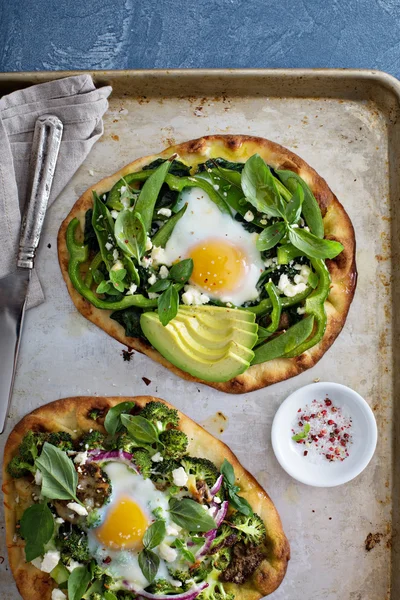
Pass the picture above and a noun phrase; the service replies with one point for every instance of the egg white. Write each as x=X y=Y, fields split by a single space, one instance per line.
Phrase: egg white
x=203 y=220
x=124 y=563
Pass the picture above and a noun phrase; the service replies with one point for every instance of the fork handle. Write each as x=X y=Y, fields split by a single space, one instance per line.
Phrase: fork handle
x=46 y=145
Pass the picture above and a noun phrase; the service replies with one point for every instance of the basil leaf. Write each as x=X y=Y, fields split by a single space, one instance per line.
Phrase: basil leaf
x=149 y=563
x=78 y=582
x=293 y=207
x=270 y=236
x=109 y=595
x=154 y=534
x=168 y=304
x=117 y=275
x=181 y=271
x=185 y=553
x=149 y=194
x=103 y=287
x=311 y=211
x=303 y=434
x=112 y=422
x=130 y=233
x=140 y=429
x=258 y=185
x=313 y=246
x=37 y=528
x=59 y=475
x=190 y=515
x=160 y=285
x=239 y=503
x=228 y=472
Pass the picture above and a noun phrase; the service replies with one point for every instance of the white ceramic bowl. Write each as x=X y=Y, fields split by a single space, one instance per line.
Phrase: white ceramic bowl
x=325 y=473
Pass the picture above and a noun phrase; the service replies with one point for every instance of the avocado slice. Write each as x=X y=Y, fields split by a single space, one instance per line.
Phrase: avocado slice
x=220 y=312
x=207 y=358
x=218 y=320
x=200 y=331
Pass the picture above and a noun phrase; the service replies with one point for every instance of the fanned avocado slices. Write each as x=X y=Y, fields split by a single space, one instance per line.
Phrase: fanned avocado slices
x=210 y=342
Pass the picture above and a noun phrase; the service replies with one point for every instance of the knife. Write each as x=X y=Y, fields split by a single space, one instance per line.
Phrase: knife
x=14 y=287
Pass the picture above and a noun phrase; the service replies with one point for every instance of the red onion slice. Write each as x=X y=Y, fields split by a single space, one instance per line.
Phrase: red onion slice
x=217 y=485
x=208 y=540
x=221 y=514
x=112 y=455
x=191 y=593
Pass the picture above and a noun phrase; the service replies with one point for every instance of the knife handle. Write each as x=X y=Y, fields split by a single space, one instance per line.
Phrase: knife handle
x=45 y=147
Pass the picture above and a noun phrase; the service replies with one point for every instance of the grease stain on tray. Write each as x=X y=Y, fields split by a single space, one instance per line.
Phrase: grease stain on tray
x=215 y=424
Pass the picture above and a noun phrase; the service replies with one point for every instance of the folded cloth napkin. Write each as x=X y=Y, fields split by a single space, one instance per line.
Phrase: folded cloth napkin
x=80 y=106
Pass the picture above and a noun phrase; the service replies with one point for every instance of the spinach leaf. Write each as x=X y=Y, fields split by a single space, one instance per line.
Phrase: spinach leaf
x=166 y=197
x=129 y=318
x=130 y=233
x=168 y=304
x=37 y=528
x=258 y=185
x=149 y=563
x=190 y=515
x=181 y=271
x=177 y=167
x=312 y=245
x=220 y=162
x=59 y=475
x=154 y=534
x=89 y=235
x=78 y=582
x=270 y=236
x=140 y=429
x=112 y=422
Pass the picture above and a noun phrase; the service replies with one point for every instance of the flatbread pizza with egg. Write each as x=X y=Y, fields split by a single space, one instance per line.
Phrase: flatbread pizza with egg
x=227 y=259
x=118 y=498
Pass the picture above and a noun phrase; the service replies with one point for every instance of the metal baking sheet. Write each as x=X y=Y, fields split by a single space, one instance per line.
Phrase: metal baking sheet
x=344 y=124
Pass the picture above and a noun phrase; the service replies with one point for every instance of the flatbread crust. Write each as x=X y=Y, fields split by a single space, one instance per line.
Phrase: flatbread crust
x=70 y=415
x=239 y=148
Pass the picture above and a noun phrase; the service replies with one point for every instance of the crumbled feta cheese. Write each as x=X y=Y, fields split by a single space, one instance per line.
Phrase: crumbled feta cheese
x=132 y=289
x=303 y=276
x=153 y=295
x=270 y=262
x=263 y=221
x=173 y=529
x=167 y=553
x=306 y=228
x=176 y=583
x=193 y=296
x=80 y=510
x=50 y=560
x=149 y=244
x=180 y=477
x=125 y=202
x=158 y=256
x=301 y=310
x=152 y=279
x=249 y=216
x=108 y=246
x=297 y=266
x=115 y=254
x=73 y=564
x=123 y=189
x=37 y=562
x=165 y=212
x=157 y=457
x=114 y=214
x=146 y=261
x=216 y=186
x=57 y=594
x=59 y=520
x=81 y=458
x=288 y=288
x=117 y=266
x=38 y=477
x=163 y=272
x=295 y=225
x=217 y=500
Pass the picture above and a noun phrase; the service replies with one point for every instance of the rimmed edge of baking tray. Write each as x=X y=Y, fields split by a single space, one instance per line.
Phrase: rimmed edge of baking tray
x=350 y=84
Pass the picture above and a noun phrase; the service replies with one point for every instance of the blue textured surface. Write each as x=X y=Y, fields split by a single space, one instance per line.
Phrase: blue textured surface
x=121 y=34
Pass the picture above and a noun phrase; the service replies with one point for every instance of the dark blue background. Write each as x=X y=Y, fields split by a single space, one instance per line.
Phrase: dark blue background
x=121 y=34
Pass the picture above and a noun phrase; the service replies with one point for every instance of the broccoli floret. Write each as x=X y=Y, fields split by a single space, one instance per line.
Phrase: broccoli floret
x=226 y=537
x=31 y=445
x=17 y=467
x=175 y=443
x=125 y=442
x=221 y=559
x=250 y=529
x=201 y=572
x=162 y=471
x=215 y=589
x=61 y=439
x=94 y=439
x=96 y=596
x=160 y=415
x=93 y=519
x=162 y=586
x=142 y=460
x=201 y=468
x=182 y=576
x=73 y=544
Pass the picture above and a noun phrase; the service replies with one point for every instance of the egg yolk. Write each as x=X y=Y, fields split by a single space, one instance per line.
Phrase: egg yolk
x=219 y=266
x=124 y=525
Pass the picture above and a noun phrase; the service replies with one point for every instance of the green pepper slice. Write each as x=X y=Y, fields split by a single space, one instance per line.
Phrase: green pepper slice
x=265 y=306
x=164 y=233
x=284 y=344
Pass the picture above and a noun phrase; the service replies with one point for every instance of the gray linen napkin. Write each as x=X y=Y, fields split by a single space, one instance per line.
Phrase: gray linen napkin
x=80 y=106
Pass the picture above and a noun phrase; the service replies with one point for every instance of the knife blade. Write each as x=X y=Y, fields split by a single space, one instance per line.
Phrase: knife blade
x=14 y=287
